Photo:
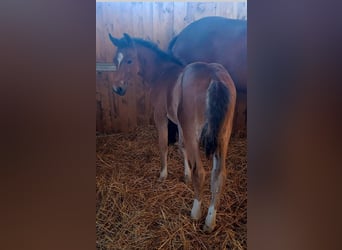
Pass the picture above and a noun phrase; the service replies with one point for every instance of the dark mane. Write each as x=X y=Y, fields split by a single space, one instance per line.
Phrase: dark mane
x=156 y=49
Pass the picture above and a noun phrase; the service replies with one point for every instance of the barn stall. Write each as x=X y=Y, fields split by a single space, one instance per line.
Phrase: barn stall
x=133 y=209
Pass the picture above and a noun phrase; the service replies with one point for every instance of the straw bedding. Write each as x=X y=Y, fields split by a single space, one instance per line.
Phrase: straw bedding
x=136 y=211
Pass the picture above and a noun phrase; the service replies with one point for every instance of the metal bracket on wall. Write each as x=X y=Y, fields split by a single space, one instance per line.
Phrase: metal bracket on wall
x=103 y=67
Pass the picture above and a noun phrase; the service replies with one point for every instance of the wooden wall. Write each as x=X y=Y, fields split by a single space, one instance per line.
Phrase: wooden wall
x=155 y=21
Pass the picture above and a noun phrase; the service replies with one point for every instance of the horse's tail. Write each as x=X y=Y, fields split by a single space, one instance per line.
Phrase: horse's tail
x=216 y=109
x=171 y=44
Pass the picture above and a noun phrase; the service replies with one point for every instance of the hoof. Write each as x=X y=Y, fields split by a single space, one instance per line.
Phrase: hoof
x=187 y=179
x=210 y=220
x=196 y=210
x=163 y=175
x=161 y=178
x=208 y=229
x=195 y=215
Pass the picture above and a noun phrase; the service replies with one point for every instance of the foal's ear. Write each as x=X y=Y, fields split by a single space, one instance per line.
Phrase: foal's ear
x=128 y=39
x=114 y=40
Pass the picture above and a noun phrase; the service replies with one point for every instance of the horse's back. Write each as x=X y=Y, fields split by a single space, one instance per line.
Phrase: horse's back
x=199 y=75
x=215 y=39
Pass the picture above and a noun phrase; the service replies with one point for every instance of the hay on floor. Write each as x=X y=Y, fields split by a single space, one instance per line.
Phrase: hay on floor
x=136 y=211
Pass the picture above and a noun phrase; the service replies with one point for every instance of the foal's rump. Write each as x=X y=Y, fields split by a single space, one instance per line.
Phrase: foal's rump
x=208 y=102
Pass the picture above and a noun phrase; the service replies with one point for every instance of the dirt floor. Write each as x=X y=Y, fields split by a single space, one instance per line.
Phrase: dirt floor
x=136 y=211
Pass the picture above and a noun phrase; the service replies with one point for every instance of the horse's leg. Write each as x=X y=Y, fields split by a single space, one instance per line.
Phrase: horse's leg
x=198 y=176
x=218 y=177
x=161 y=122
x=187 y=171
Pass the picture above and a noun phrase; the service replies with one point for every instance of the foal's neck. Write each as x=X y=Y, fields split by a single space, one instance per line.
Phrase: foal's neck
x=154 y=68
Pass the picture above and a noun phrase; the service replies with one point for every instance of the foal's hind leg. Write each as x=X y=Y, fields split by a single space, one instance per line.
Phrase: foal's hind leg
x=161 y=124
x=187 y=171
x=198 y=176
x=218 y=177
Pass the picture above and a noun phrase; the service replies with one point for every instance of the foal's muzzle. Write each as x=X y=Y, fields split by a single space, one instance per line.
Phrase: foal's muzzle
x=119 y=90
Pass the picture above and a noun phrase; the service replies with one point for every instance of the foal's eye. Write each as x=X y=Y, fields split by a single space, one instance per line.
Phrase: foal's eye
x=129 y=61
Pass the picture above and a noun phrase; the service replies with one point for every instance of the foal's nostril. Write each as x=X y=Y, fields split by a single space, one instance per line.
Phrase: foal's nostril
x=119 y=90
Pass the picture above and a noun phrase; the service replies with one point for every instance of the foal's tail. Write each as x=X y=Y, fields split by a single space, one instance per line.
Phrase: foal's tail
x=217 y=107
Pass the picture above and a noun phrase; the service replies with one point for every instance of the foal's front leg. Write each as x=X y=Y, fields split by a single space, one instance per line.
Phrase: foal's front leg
x=161 y=123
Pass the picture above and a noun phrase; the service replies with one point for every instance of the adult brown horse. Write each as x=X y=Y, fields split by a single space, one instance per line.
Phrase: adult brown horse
x=220 y=40
x=199 y=98
x=215 y=39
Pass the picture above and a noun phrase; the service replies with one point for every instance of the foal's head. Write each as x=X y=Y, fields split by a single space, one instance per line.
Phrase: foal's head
x=126 y=61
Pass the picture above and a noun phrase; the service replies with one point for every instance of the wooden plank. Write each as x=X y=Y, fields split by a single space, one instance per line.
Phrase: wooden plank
x=115 y=23
x=179 y=17
x=197 y=10
x=204 y=9
x=147 y=21
x=225 y=9
x=162 y=23
x=242 y=10
x=99 y=21
x=104 y=102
